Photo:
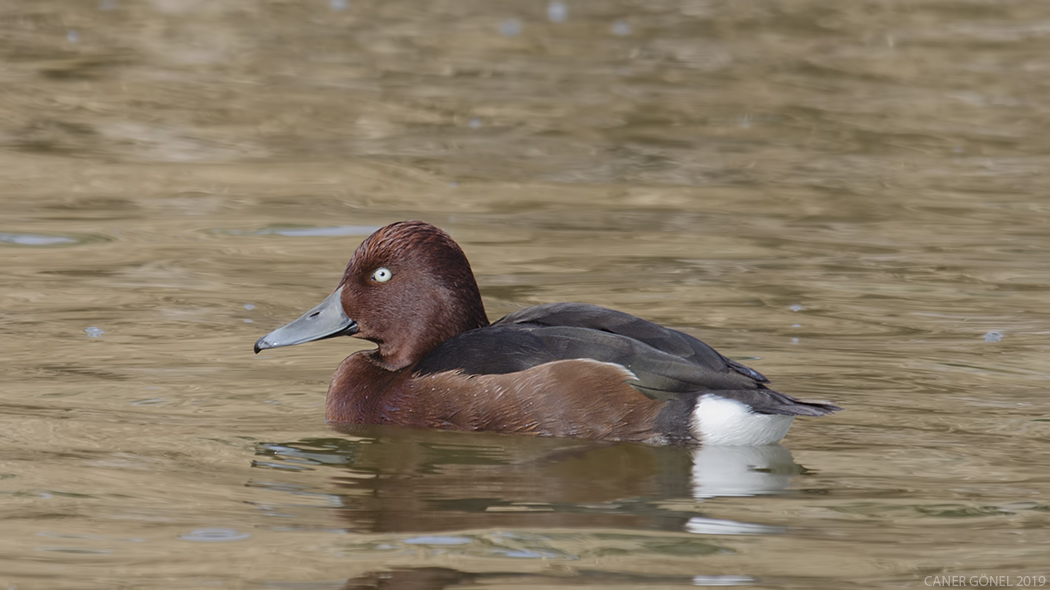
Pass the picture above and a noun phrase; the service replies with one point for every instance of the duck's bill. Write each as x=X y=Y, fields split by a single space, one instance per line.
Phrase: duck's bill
x=327 y=320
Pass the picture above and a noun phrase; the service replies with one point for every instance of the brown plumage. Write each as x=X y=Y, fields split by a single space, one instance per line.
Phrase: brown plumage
x=566 y=369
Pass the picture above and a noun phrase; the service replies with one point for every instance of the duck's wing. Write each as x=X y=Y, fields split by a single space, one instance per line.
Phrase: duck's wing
x=665 y=363
x=583 y=315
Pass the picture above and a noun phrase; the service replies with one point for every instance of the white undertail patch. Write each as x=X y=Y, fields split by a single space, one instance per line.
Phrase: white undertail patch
x=723 y=421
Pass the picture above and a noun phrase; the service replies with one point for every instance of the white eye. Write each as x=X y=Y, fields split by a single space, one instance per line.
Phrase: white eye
x=382 y=275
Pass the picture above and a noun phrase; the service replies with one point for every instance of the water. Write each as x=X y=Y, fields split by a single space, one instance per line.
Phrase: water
x=849 y=197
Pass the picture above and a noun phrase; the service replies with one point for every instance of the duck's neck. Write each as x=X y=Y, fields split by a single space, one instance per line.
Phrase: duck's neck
x=424 y=332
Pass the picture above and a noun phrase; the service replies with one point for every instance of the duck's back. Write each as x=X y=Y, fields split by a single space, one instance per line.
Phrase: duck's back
x=665 y=362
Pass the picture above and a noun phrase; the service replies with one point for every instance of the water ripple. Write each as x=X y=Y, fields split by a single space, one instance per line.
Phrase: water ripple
x=35 y=240
x=303 y=231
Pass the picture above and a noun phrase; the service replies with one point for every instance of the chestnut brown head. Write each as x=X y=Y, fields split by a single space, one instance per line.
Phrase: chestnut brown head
x=408 y=288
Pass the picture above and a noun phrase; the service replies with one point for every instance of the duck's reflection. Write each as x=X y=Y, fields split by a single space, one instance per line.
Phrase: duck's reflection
x=436 y=578
x=403 y=480
x=515 y=497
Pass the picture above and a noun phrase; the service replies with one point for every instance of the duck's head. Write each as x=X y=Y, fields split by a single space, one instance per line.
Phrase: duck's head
x=408 y=288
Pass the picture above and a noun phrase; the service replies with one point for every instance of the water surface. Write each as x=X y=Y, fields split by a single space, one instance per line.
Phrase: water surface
x=849 y=197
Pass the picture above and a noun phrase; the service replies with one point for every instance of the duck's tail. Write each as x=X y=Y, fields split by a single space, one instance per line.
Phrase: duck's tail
x=770 y=402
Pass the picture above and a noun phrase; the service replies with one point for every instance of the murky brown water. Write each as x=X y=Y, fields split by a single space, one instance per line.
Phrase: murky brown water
x=851 y=196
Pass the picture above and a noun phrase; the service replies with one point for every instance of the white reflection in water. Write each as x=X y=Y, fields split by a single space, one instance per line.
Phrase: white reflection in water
x=510 y=27
x=214 y=535
x=722 y=580
x=34 y=240
x=738 y=471
x=557 y=12
x=741 y=471
x=714 y=526
x=437 y=540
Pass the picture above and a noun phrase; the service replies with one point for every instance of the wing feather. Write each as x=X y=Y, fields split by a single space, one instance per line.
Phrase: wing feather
x=665 y=362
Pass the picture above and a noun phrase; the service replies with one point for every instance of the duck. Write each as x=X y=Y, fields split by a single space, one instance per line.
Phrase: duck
x=557 y=369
